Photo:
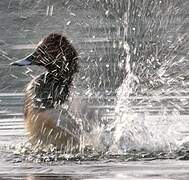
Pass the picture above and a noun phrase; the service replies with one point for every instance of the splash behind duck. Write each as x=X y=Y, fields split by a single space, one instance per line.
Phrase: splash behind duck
x=46 y=119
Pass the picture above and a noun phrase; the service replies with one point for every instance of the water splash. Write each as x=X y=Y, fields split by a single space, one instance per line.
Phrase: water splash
x=147 y=41
x=154 y=61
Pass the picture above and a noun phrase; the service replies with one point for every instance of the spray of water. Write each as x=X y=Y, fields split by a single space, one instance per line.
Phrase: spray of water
x=155 y=59
x=152 y=99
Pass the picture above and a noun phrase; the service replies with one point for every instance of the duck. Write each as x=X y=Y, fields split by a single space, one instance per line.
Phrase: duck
x=46 y=116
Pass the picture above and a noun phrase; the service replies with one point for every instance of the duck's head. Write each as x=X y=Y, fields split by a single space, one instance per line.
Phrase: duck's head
x=56 y=54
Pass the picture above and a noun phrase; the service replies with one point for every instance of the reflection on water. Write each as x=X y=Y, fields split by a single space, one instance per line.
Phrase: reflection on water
x=167 y=169
x=49 y=177
x=42 y=177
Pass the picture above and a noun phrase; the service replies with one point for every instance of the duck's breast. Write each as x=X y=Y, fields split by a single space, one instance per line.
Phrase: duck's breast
x=48 y=126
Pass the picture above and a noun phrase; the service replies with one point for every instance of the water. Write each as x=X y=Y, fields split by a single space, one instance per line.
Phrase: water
x=133 y=170
x=132 y=88
x=150 y=162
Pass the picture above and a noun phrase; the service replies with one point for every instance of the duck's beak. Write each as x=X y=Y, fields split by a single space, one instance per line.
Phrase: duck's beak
x=23 y=62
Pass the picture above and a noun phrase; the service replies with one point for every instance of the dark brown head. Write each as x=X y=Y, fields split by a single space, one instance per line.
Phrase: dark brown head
x=56 y=54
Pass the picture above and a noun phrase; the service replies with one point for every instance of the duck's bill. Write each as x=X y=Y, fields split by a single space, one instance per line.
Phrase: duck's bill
x=23 y=62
